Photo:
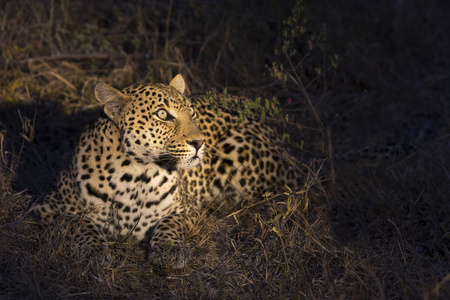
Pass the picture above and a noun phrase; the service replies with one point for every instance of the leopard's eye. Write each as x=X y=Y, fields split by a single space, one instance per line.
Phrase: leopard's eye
x=192 y=111
x=163 y=115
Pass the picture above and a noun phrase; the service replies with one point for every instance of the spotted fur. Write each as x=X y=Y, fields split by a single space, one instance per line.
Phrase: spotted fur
x=152 y=159
x=245 y=158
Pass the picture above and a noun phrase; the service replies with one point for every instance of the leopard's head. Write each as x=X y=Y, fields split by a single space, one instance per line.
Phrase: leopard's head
x=157 y=123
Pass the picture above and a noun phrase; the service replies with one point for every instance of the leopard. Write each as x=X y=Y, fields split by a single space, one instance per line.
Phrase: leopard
x=151 y=160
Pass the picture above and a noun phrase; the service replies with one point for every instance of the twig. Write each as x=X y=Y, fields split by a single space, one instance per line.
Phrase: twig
x=74 y=56
x=63 y=80
x=166 y=46
x=297 y=80
x=330 y=156
x=441 y=283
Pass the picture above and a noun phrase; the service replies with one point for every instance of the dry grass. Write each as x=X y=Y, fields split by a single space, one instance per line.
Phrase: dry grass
x=365 y=229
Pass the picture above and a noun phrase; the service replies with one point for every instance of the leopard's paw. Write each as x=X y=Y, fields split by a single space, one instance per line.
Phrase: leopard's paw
x=176 y=256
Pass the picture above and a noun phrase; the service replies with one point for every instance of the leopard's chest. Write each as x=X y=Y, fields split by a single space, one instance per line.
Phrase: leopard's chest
x=132 y=198
x=144 y=202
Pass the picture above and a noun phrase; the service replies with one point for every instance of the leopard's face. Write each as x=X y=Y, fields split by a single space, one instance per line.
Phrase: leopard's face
x=158 y=125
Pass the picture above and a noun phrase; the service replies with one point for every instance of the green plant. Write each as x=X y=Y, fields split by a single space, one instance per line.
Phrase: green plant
x=248 y=108
x=302 y=63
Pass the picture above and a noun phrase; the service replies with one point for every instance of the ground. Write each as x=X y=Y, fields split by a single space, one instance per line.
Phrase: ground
x=361 y=75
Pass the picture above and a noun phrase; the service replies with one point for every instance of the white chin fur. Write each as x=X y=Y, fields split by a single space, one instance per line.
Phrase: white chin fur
x=189 y=163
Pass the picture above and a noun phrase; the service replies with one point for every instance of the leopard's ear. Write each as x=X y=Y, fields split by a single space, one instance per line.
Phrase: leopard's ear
x=178 y=83
x=112 y=100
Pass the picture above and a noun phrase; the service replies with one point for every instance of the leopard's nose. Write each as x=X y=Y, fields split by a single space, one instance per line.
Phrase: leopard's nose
x=196 y=143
